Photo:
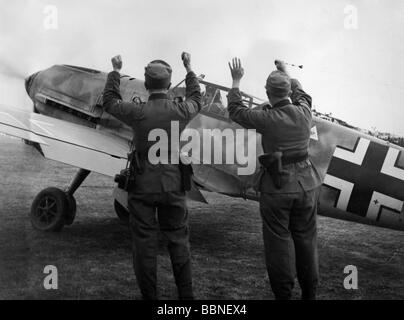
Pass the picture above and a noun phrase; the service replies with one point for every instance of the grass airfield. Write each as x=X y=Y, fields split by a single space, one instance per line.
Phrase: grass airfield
x=94 y=257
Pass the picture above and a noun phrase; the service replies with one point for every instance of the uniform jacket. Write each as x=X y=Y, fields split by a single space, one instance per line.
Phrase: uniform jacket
x=284 y=127
x=157 y=113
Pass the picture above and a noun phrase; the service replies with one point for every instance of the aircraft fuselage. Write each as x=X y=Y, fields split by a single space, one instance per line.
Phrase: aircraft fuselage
x=363 y=176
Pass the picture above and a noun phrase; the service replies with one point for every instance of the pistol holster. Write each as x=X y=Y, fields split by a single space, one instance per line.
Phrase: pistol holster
x=272 y=163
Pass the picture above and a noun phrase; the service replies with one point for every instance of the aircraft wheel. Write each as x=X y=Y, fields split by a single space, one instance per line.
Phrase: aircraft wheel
x=48 y=210
x=71 y=211
x=122 y=212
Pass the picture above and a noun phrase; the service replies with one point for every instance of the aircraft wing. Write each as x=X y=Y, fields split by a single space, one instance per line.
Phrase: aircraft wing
x=66 y=142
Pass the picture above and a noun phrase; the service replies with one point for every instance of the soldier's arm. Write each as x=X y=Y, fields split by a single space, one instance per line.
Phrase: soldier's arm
x=244 y=116
x=193 y=98
x=299 y=96
x=127 y=112
x=238 y=112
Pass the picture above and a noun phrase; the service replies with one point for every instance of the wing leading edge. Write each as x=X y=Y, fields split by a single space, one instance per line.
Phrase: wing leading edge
x=67 y=142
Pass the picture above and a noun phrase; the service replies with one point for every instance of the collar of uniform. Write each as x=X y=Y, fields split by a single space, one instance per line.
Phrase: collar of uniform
x=157 y=96
x=281 y=103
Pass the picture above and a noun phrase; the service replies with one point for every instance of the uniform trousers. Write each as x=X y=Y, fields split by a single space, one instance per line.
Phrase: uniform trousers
x=290 y=241
x=168 y=213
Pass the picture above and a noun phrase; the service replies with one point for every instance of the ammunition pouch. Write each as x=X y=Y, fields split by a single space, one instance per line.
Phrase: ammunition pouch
x=123 y=179
x=126 y=178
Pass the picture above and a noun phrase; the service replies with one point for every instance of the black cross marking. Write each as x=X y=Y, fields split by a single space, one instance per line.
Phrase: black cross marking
x=367 y=178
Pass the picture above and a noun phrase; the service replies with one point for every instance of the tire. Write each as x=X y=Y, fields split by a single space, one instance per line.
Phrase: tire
x=48 y=210
x=71 y=211
x=121 y=212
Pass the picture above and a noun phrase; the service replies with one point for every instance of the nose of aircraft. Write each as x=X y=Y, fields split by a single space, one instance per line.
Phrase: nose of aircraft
x=29 y=80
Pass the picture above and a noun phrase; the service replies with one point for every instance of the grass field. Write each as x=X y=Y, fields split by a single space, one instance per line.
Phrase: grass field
x=94 y=261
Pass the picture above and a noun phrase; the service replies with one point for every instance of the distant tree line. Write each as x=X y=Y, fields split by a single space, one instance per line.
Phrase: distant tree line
x=381 y=135
x=388 y=137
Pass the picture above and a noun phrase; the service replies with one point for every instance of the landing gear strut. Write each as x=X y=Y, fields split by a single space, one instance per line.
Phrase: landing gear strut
x=53 y=208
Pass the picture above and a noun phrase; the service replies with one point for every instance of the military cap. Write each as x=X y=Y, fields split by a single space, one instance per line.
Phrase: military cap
x=278 y=84
x=158 y=75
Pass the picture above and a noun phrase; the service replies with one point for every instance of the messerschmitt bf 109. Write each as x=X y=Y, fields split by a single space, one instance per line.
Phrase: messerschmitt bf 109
x=363 y=176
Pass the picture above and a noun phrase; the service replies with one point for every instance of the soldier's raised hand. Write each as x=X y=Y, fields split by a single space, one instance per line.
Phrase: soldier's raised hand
x=117 y=63
x=186 y=59
x=237 y=72
x=281 y=66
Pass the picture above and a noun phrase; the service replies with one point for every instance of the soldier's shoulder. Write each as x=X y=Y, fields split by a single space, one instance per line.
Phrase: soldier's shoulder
x=266 y=106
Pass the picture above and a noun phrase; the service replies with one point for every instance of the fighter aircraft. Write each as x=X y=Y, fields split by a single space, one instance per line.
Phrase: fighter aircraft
x=363 y=176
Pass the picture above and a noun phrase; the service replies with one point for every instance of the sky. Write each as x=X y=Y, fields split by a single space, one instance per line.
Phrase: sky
x=353 y=70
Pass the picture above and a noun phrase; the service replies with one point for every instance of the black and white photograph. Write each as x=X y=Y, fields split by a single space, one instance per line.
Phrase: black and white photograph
x=215 y=151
